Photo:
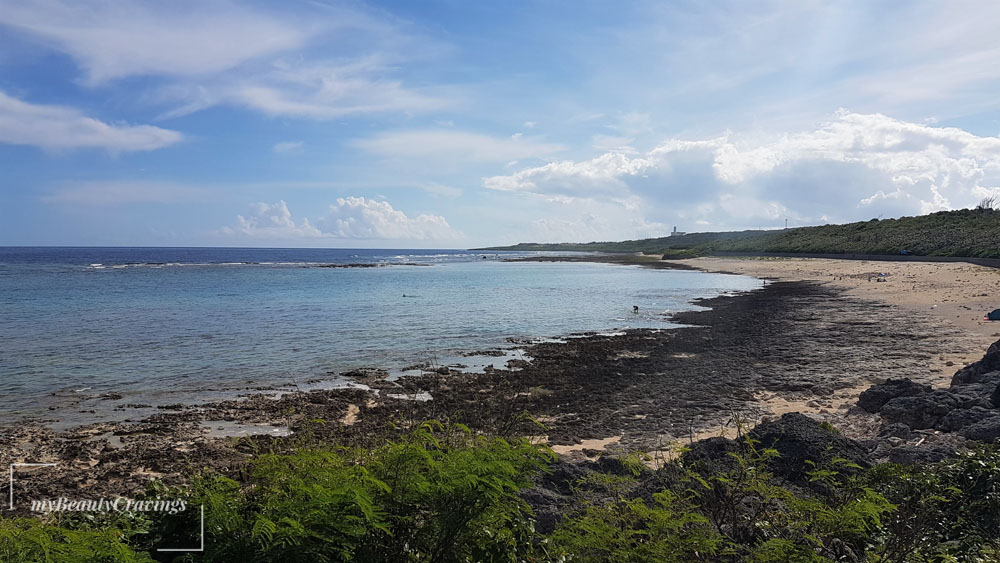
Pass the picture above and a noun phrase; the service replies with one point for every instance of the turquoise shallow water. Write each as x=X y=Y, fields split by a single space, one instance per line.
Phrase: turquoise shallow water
x=168 y=325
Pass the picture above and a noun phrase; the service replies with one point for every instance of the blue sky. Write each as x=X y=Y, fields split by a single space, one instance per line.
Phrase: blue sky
x=457 y=124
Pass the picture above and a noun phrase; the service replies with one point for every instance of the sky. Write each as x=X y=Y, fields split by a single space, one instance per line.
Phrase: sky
x=455 y=124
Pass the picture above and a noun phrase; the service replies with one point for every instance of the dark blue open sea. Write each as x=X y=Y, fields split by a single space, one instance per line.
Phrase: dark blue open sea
x=167 y=325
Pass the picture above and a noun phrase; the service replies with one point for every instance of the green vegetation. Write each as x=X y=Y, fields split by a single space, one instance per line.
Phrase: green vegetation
x=438 y=494
x=446 y=494
x=963 y=233
x=27 y=539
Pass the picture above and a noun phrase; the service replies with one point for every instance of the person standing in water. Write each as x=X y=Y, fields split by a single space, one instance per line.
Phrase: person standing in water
x=635 y=309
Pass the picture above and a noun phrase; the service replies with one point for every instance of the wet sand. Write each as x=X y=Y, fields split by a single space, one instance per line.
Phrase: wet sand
x=954 y=294
x=950 y=297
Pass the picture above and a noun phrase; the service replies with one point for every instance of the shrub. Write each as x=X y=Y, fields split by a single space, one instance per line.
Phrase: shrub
x=26 y=540
x=439 y=494
x=945 y=511
x=669 y=529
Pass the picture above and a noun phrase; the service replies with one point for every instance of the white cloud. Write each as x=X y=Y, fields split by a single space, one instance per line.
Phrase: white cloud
x=329 y=97
x=348 y=218
x=272 y=221
x=126 y=38
x=605 y=174
x=451 y=145
x=852 y=167
x=356 y=217
x=58 y=128
x=210 y=53
x=288 y=147
x=612 y=143
x=121 y=192
x=315 y=90
x=442 y=190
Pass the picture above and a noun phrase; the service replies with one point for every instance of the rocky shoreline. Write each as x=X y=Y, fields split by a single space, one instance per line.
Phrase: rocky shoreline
x=641 y=390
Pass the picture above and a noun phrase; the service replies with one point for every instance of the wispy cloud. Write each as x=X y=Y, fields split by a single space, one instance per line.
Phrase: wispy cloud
x=451 y=145
x=224 y=53
x=61 y=128
x=288 y=147
x=122 y=192
x=112 y=40
x=317 y=90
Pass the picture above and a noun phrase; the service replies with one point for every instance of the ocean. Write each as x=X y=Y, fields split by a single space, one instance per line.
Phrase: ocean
x=83 y=326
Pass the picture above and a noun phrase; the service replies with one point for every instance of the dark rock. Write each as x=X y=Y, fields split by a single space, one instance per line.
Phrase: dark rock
x=612 y=465
x=822 y=390
x=878 y=395
x=920 y=412
x=995 y=396
x=896 y=430
x=710 y=455
x=563 y=476
x=982 y=384
x=365 y=373
x=974 y=372
x=914 y=455
x=798 y=439
x=986 y=430
x=978 y=397
x=547 y=505
x=960 y=418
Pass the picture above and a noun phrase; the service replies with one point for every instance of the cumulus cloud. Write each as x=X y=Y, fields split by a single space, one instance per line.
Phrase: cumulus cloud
x=348 y=218
x=272 y=221
x=58 y=128
x=853 y=167
x=356 y=217
x=448 y=144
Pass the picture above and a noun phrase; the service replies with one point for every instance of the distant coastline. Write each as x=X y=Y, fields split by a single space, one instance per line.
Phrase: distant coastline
x=965 y=233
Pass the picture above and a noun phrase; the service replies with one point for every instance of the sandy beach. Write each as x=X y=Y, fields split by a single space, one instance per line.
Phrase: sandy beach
x=956 y=294
x=948 y=297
